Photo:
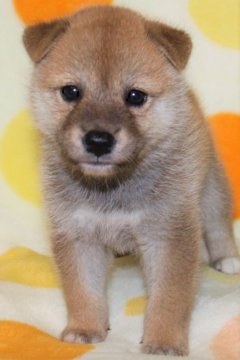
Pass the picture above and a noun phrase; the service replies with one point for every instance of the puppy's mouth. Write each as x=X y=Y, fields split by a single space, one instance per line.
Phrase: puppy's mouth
x=97 y=168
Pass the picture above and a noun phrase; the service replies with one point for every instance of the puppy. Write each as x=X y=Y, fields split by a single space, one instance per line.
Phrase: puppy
x=128 y=166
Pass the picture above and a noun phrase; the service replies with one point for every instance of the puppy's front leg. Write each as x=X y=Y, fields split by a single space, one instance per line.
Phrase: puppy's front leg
x=170 y=255
x=83 y=267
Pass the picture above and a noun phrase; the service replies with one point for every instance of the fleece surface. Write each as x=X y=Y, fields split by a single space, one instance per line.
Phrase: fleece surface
x=32 y=309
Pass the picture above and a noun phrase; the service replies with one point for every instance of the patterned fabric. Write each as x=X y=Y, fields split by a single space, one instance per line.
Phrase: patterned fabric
x=32 y=309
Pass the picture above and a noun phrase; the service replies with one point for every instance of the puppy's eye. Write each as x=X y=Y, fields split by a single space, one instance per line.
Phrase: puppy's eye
x=70 y=93
x=136 y=97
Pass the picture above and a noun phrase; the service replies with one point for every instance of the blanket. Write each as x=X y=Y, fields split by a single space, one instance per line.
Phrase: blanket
x=32 y=308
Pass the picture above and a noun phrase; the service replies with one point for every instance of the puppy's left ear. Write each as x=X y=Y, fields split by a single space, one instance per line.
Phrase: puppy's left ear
x=175 y=44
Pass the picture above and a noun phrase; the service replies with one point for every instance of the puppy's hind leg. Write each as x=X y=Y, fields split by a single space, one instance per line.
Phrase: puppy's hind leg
x=216 y=211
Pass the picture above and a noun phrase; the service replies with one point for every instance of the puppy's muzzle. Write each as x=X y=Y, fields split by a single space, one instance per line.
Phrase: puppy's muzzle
x=98 y=142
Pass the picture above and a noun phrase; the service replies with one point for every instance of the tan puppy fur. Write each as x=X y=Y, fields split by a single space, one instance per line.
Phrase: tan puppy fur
x=157 y=192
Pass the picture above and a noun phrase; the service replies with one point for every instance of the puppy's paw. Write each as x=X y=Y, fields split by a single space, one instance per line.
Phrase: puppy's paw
x=163 y=350
x=83 y=336
x=229 y=265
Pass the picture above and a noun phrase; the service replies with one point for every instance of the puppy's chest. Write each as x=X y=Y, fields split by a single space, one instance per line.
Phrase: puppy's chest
x=114 y=228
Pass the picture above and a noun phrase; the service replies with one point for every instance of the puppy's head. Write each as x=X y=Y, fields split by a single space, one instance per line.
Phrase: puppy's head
x=104 y=86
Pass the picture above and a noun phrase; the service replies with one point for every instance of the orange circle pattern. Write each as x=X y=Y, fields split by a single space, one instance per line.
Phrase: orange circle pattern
x=226 y=131
x=226 y=344
x=35 y=11
x=20 y=341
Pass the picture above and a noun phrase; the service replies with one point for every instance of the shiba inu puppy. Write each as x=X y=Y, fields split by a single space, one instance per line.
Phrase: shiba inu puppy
x=128 y=166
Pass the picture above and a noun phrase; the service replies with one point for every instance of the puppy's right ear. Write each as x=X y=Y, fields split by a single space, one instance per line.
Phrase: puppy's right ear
x=39 y=39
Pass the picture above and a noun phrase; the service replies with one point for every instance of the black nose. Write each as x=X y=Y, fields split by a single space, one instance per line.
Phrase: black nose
x=98 y=142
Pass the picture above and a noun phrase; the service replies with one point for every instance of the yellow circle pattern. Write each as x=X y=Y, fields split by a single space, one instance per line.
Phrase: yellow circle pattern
x=25 y=266
x=219 y=20
x=135 y=306
x=19 y=157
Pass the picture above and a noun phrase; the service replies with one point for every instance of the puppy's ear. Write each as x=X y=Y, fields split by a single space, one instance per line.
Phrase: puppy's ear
x=175 y=44
x=39 y=39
